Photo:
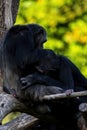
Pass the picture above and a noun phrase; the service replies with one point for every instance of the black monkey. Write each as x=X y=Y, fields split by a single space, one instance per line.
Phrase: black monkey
x=22 y=57
x=55 y=66
x=59 y=68
x=20 y=54
x=21 y=51
x=46 y=67
x=17 y=44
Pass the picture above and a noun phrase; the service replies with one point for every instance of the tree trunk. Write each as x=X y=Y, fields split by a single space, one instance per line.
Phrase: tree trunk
x=8 y=12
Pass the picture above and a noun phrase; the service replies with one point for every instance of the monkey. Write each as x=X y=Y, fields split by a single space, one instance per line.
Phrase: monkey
x=55 y=66
x=23 y=54
x=20 y=54
x=21 y=58
x=60 y=68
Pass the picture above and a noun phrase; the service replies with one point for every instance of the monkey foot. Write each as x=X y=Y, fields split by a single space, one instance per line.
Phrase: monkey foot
x=69 y=92
x=14 y=95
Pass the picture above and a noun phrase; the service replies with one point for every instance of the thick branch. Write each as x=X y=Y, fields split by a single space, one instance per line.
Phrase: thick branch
x=8 y=12
x=9 y=104
x=22 y=122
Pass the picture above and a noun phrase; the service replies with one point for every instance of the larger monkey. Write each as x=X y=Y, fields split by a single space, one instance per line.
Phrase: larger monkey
x=21 y=52
x=22 y=55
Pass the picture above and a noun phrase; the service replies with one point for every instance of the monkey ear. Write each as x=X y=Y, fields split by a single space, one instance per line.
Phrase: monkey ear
x=40 y=38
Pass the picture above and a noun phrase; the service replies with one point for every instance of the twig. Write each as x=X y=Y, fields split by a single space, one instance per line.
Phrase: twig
x=63 y=95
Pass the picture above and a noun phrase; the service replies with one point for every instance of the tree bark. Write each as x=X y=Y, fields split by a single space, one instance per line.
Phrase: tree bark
x=23 y=122
x=8 y=12
x=10 y=104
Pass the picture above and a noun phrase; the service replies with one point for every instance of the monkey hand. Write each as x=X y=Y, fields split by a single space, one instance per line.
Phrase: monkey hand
x=31 y=79
x=26 y=82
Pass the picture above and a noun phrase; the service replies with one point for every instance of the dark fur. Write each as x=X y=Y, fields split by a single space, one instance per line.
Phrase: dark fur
x=22 y=55
x=59 y=68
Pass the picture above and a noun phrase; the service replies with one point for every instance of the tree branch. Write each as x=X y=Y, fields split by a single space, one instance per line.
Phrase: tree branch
x=22 y=122
x=8 y=12
x=10 y=104
x=63 y=95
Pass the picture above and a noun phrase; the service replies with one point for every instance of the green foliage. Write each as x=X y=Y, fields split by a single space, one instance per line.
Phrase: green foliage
x=66 y=25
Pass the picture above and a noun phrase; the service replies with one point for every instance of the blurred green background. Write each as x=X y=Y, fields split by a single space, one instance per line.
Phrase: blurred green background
x=66 y=25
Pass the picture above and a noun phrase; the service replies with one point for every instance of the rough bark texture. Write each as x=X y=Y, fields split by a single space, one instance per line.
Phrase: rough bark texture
x=2 y=18
x=10 y=104
x=14 y=8
x=8 y=12
x=23 y=122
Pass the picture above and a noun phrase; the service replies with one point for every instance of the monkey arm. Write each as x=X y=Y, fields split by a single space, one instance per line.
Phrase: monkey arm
x=37 y=78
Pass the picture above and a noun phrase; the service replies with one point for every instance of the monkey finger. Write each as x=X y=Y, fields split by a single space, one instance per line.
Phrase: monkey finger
x=26 y=86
